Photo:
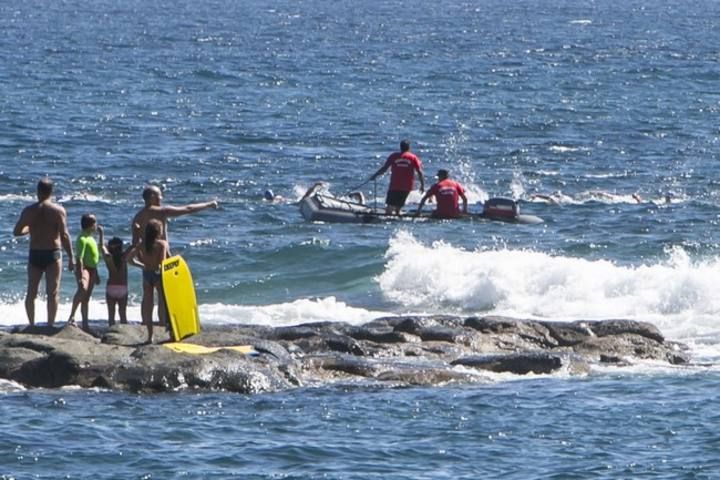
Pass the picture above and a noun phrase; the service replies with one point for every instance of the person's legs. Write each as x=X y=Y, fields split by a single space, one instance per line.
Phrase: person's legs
x=85 y=301
x=116 y=295
x=73 y=308
x=34 y=276
x=162 y=308
x=394 y=201
x=122 y=309
x=146 y=308
x=53 y=273
x=389 y=202
x=111 y=302
x=81 y=280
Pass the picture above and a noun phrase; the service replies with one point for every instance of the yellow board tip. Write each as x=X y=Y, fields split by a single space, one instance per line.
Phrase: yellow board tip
x=194 y=349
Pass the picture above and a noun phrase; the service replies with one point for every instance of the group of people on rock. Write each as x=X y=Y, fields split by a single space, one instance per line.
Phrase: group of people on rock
x=46 y=224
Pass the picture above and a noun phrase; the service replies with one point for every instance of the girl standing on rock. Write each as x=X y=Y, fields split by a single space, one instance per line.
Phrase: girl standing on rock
x=150 y=255
x=116 y=290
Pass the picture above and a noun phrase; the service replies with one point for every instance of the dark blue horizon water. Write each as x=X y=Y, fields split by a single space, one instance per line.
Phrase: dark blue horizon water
x=588 y=102
x=608 y=426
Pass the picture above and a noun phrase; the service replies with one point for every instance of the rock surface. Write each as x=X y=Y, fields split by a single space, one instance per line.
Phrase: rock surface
x=396 y=351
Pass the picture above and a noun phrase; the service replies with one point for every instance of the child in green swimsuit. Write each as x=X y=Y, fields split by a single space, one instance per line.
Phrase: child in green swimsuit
x=88 y=256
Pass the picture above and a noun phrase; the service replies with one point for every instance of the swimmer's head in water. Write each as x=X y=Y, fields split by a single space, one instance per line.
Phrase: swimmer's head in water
x=269 y=195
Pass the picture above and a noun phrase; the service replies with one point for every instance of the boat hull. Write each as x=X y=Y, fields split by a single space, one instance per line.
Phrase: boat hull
x=323 y=207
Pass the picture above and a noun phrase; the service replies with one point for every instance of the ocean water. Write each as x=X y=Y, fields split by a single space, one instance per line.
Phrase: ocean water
x=587 y=102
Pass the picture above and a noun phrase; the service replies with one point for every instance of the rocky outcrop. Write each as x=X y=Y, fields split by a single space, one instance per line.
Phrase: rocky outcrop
x=393 y=351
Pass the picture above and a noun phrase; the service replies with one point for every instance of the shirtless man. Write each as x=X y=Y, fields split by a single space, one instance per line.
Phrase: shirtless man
x=154 y=211
x=46 y=223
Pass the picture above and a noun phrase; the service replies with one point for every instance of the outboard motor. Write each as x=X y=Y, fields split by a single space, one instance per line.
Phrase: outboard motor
x=501 y=208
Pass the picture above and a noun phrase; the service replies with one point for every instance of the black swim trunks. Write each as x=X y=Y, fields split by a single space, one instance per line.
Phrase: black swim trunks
x=396 y=198
x=151 y=278
x=42 y=259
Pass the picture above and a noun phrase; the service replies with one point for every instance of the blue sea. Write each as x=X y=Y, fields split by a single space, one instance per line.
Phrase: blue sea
x=601 y=117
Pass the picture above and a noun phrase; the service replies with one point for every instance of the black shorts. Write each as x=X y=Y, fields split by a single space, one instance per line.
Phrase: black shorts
x=396 y=198
x=42 y=259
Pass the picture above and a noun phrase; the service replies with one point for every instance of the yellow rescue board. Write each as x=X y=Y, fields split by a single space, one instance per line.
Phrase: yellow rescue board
x=180 y=298
x=194 y=349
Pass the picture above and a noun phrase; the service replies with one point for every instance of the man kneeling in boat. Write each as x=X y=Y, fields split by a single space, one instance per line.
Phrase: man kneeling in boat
x=446 y=193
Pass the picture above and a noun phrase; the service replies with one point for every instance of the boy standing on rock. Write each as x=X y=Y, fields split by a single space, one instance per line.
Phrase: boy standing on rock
x=86 y=268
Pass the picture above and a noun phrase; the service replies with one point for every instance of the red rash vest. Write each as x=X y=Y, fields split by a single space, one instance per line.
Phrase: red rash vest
x=447 y=193
x=402 y=170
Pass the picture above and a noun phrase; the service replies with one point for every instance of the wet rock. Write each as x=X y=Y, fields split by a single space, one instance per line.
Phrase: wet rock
x=382 y=335
x=568 y=334
x=512 y=331
x=629 y=346
x=348 y=364
x=12 y=359
x=342 y=343
x=392 y=351
x=517 y=363
x=423 y=376
x=607 y=328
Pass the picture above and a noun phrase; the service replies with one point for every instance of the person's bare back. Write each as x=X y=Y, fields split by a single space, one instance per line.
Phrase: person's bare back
x=152 y=260
x=45 y=222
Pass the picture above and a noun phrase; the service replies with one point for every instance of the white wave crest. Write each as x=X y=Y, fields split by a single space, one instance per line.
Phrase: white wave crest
x=12 y=197
x=678 y=295
x=292 y=313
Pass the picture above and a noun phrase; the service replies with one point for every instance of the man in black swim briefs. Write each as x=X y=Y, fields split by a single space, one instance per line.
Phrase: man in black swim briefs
x=46 y=223
x=43 y=259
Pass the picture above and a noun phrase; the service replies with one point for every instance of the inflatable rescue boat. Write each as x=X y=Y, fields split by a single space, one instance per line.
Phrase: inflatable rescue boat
x=320 y=206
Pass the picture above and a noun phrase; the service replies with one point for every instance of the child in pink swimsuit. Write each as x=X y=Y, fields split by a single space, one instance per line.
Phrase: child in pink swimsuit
x=116 y=290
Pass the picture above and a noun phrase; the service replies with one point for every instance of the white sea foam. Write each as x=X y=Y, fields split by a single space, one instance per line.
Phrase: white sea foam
x=8 y=386
x=292 y=313
x=70 y=197
x=566 y=149
x=678 y=295
x=594 y=196
x=621 y=174
x=11 y=197
x=86 y=197
x=13 y=312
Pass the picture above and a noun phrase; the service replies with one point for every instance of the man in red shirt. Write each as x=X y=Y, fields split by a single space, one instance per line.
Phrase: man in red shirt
x=446 y=194
x=402 y=165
